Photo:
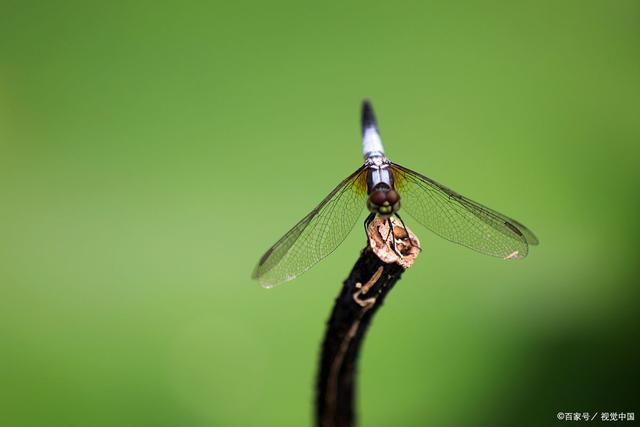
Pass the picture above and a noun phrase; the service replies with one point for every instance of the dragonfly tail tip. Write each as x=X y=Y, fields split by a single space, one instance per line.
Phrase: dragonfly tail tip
x=368 y=116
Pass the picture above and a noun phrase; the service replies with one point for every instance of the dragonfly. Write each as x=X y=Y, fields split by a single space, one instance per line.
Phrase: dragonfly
x=383 y=187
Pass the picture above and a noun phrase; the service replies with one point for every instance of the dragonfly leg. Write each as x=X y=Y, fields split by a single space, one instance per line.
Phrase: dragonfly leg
x=367 y=221
x=406 y=231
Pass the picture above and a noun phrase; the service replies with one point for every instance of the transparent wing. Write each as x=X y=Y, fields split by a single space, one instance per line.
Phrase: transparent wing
x=316 y=235
x=459 y=219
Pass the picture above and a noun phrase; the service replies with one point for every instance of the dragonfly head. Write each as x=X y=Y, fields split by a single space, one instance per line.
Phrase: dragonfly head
x=383 y=200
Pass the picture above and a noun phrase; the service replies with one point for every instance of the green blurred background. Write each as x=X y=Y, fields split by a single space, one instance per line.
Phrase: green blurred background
x=151 y=151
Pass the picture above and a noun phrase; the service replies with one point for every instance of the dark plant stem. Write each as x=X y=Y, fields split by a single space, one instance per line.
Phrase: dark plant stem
x=361 y=296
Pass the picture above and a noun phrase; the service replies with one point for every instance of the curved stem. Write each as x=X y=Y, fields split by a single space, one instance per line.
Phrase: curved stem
x=362 y=294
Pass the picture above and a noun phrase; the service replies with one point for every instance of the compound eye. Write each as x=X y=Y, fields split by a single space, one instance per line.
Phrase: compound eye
x=392 y=197
x=378 y=198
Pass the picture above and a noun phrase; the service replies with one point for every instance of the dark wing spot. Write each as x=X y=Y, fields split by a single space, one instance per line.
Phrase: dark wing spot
x=513 y=228
x=265 y=256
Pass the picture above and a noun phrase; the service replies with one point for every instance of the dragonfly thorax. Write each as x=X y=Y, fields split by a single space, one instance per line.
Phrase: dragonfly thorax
x=378 y=172
x=383 y=199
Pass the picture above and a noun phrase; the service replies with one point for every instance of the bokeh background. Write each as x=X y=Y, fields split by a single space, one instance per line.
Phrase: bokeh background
x=151 y=151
